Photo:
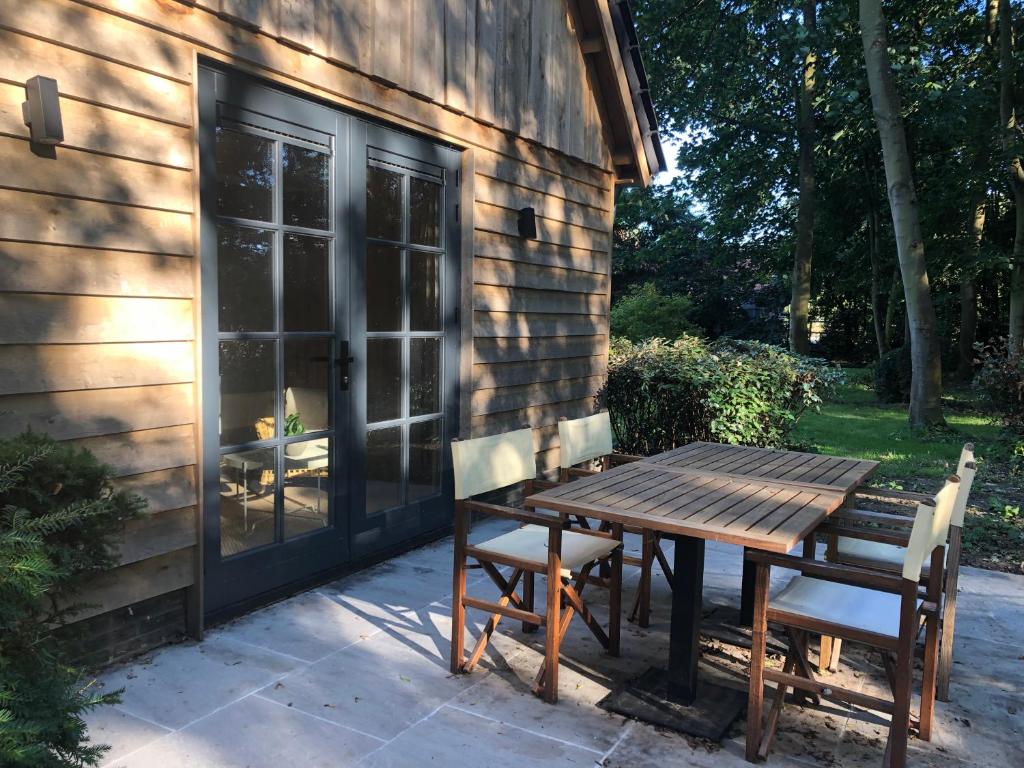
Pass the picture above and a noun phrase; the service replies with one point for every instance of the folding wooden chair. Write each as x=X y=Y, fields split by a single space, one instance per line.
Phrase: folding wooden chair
x=852 y=543
x=586 y=448
x=541 y=546
x=862 y=605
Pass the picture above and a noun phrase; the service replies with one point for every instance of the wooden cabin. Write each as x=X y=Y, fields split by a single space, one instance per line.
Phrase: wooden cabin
x=284 y=251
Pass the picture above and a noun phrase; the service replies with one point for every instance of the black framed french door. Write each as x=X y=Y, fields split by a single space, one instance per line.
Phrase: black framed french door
x=329 y=274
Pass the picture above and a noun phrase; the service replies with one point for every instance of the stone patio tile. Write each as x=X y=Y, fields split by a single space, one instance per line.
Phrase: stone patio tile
x=122 y=732
x=506 y=696
x=985 y=665
x=307 y=626
x=255 y=733
x=380 y=686
x=181 y=683
x=450 y=737
x=994 y=584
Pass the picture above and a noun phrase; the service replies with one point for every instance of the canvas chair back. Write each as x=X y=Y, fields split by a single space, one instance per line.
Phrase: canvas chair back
x=966 y=475
x=488 y=463
x=584 y=439
x=931 y=528
x=966 y=457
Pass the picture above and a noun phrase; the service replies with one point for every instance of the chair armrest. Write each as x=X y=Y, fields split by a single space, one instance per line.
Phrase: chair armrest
x=615 y=459
x=539 y=484
x=864 y=516
x=580 y=472
x=873 y=491
x=511 y=513
x=899 y=538
x=847 y=574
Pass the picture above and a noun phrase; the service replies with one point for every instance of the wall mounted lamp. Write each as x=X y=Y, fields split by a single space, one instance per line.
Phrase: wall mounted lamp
x=42 y=110
x=527 y=223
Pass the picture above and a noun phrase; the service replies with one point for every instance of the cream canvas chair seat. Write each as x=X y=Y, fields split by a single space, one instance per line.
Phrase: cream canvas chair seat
x=540 y=546
x=872 y=554
x=882 y=610
x=530 y=544
x=868 y=548
x=831 y=602
x=584 y=443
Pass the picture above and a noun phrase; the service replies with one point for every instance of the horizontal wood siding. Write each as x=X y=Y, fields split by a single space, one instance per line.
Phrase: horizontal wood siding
x=97 y=331
x=97 y=237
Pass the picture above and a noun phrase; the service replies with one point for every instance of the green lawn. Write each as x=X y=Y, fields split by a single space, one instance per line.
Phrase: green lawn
x=855 y=424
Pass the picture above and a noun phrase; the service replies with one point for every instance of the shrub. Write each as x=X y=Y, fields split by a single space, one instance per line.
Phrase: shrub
x=663 y=394
x=892 y=376
x=1000 y=379
x=645 y=312
x=58 y=517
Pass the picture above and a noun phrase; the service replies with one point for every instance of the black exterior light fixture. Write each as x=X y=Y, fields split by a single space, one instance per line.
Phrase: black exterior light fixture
x=527 y=223
x=42 y=110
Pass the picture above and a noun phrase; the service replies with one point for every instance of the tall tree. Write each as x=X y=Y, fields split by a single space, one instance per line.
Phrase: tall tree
x=926 y=382
x=800 y=304
x=1015 y=170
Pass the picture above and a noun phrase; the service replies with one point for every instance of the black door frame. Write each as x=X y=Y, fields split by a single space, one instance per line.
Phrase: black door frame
x=351 y=539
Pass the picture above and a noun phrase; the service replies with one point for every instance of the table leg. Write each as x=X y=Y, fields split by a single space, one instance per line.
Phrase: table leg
x=747 y=591
x=687 y=606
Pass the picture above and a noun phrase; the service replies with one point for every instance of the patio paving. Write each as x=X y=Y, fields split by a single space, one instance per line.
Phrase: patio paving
x=356 y=673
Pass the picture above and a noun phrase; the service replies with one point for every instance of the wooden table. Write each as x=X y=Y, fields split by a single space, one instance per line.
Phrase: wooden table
x=754 y=497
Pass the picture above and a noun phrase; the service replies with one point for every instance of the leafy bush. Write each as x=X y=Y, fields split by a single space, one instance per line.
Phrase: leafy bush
x=645 y=312
x=663 y=394
x=1001 y=381
x=892 y=376
x=58 y=516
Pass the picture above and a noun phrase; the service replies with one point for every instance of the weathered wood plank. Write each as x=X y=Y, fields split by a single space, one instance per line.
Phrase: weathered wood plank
x=536 y=416
x=489 y=19
x=39 y=268
x=513 y=197
x=162 y=489
x=230 y=43
x=516 y=274
x=351 y=27
x=524 y=174
x=460 y=56
x=27 y=318
x=56 y=367
x=495 y=298
x=137 y=581
x=157 y=534
x=504 y=221
x=496 y=245
x=87 y=175
x=258 y=14
x=391 y=35
x=134 y=453
x=535 y=326
x=303 y=24
x=91 y=412
x=502 y=399
x=98 y=129
x=43 y=218
x=77 y=26
x=427 y=49
x=491 y=375
x=513 y=76
x=89 y=78
x=507 y=350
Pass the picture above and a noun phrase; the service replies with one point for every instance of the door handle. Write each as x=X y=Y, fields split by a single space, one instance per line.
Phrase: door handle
x=342 y=362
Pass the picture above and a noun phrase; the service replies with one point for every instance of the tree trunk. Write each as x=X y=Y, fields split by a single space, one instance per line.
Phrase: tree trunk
x=968 y=294
x=926 y=382
x=1008 y=120
x=800 y=304
x=878 y=310
x=890 y=307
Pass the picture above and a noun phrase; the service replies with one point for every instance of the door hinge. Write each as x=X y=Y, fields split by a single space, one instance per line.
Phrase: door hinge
x=457 y=213
x=458 y=176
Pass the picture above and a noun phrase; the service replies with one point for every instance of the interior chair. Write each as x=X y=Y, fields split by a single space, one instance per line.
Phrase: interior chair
x=540 y=546
x=863 y=605
x=854 y=539
x=586 y=448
